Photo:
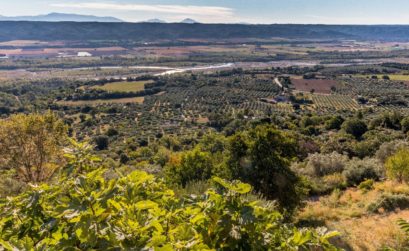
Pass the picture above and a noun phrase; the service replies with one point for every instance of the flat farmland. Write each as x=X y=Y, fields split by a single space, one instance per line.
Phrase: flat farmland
x=31 y=43
x=243 y=49
x=394 y=77
x=177 y=51
x=138 y=100
x=125 y=86
x=38 y=51
x=334 y=102
x=318 y=85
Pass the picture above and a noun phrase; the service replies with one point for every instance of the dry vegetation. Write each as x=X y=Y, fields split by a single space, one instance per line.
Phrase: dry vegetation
x=348 y=213
x=317 y=85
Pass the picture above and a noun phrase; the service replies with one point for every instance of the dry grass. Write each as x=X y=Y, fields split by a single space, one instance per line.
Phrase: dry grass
x=202 y=120
x=319 y=85
x=347 y=213
x=393 y=187
x=372 y=232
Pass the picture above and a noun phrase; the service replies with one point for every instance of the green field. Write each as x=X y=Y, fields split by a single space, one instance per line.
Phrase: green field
x=123 y=86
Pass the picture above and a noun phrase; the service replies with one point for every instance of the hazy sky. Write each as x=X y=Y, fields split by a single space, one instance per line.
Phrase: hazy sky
x=228 y=11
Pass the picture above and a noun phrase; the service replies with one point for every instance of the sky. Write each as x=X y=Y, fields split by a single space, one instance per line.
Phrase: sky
x=225 y=11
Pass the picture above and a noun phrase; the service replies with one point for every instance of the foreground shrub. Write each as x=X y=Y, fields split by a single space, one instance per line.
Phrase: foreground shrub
x=138 y=212
x=32 y=146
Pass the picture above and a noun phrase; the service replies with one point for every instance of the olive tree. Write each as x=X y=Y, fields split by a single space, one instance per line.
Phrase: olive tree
x=32 y=145
x=397 y=166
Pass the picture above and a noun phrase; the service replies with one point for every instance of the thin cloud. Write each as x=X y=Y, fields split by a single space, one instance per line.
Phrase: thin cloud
x=205 y=11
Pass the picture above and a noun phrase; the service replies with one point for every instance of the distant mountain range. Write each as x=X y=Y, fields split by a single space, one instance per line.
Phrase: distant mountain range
x=159 y=21
x=61 y=17
x=64 y=17
x=80 y=31
x=155 y=20
x=189 y=21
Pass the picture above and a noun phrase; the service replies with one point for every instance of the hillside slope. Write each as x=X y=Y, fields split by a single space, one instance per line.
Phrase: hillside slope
x=10 y=30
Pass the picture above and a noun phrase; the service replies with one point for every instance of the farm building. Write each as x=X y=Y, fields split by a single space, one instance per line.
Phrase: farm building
x=84 y=54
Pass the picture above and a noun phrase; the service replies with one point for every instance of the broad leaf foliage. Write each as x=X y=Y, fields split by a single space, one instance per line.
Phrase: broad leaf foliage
x=139 y=212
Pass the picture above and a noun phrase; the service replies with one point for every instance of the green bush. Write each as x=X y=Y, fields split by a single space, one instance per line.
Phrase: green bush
x=355 y=127
x=334 y=123
x=138 y=212
x=262 y=157
x=9 y=185
x=405 y=124
x=358 y=171
x=366 y=185
x=389 y=203
x=397 y=166
x=388 y=149
x=101 y=142
x=319 y=165
x=189 y=166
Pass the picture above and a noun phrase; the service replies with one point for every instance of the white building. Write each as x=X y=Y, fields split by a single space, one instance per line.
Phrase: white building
x=84 y=54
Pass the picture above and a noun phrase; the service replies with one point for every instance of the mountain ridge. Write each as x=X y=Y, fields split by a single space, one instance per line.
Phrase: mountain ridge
x=51 y=31
x=189 y=21
x=61 y=17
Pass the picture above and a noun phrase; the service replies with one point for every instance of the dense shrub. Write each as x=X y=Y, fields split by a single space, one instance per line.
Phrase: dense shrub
x=388 y=149
x=138 y=212
x=101 y=142
x=358 y=171
x=334 y=123
x=325 y=185
x=320 y=165
x=191 y=166
x=32 y=145
x=340 y=143
x=405 y=124
x=112 y=132
x=355 y=127
x=387 y=120
x=390 y=202
x=397 y=166
x=9 y=185
x=262 y=157
x=366 y=185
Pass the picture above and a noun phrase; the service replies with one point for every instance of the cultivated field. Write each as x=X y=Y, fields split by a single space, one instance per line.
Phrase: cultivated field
x=125 y=86
x=334 y=102
x=317 y=85
x=138 y=100
x=394 y=77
